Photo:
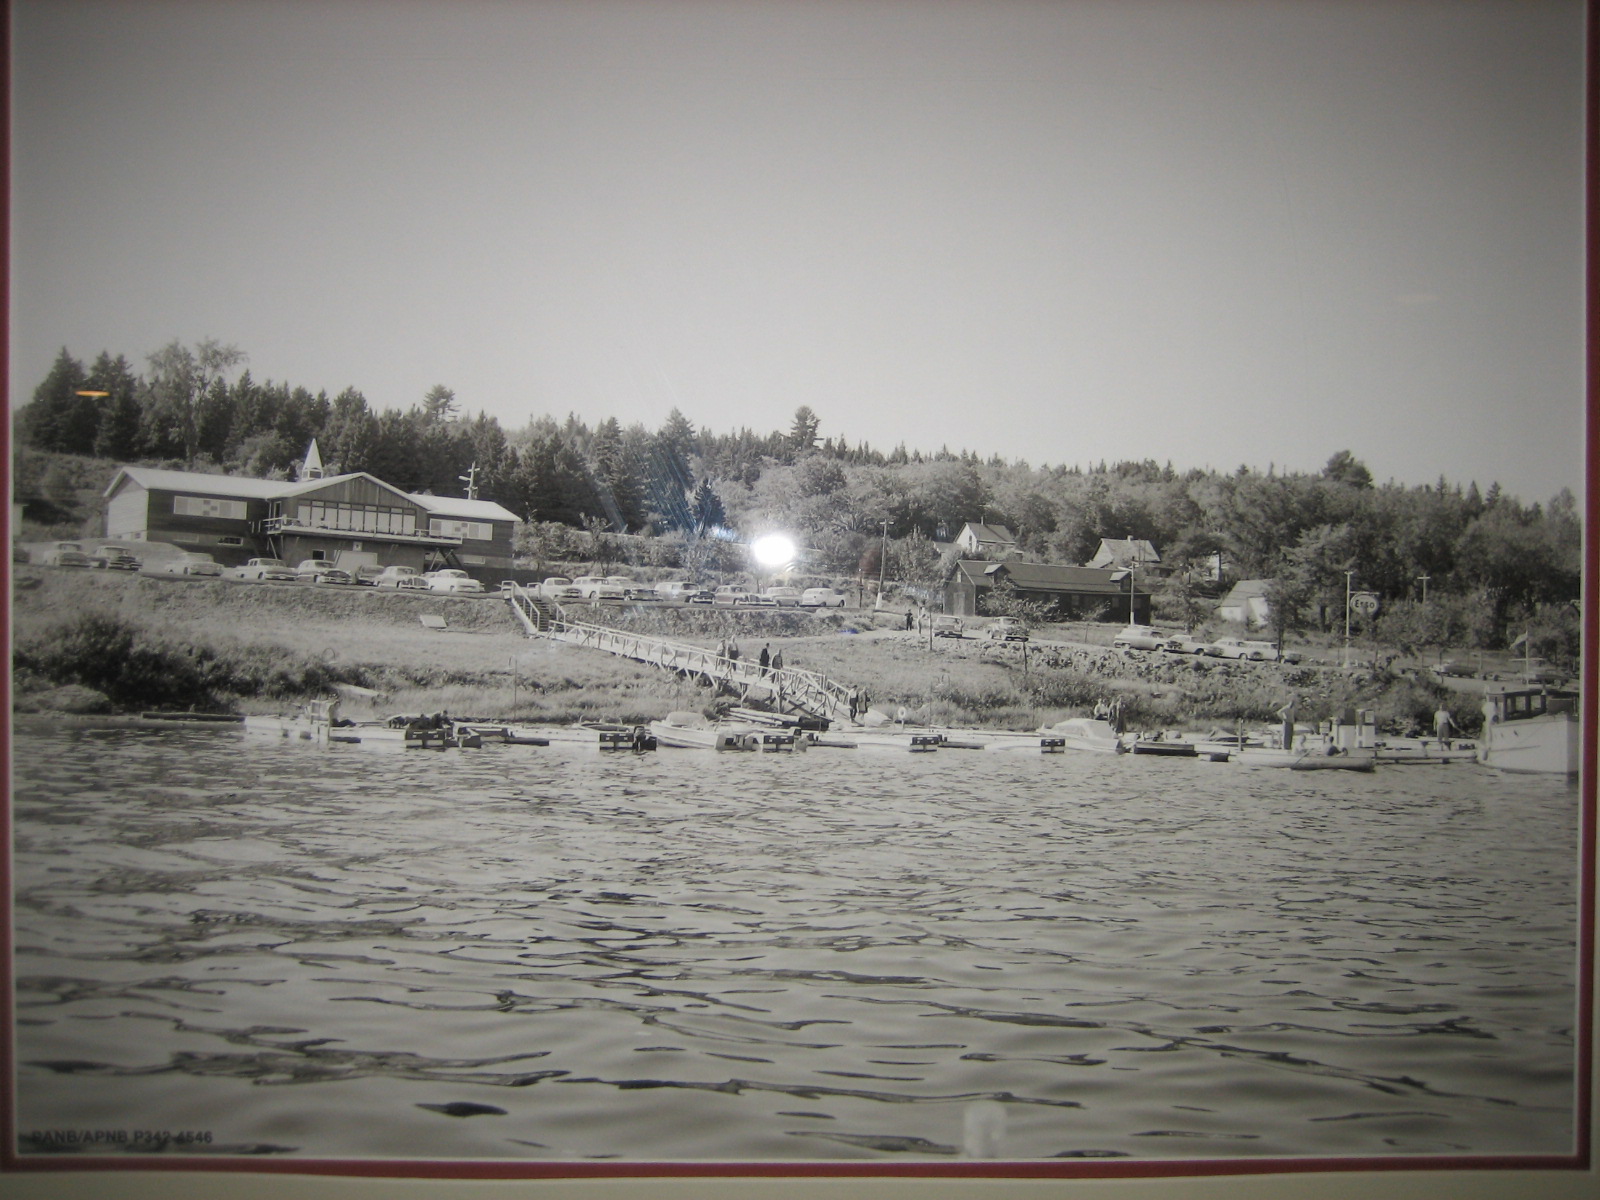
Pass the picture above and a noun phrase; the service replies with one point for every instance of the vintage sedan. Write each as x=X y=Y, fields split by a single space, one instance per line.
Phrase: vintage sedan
x=947 y=627
x=263 y=569
x=453 y=582
x=1006 y=629
x=66 y=554
x=1185 y=643
x=321 y=570
x=822 y=597
x=113 y=558
x=559 y=587
x=1140 y=637
x=400 y=578
x=784 y=597
x=185 y=562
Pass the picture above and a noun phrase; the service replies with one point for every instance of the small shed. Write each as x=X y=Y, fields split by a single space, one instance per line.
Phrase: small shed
x=1246 y=604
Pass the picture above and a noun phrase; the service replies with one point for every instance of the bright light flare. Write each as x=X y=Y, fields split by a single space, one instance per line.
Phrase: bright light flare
x=773 y=550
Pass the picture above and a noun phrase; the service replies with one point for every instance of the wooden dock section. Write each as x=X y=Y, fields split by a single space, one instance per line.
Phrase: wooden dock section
x=788 y=689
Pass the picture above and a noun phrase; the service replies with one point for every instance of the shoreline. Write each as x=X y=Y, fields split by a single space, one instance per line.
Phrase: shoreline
x=284 y=643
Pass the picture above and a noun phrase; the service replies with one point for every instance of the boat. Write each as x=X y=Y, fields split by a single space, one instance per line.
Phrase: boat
x=1170 y=747
x=1308 y=758
x=1085 y=733
x=1530 y=730
x=690 y=731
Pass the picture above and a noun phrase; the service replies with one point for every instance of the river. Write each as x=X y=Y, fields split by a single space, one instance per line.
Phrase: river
x=233 y=945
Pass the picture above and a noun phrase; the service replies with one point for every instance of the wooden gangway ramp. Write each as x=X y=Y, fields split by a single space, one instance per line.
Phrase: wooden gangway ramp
x=789 y=689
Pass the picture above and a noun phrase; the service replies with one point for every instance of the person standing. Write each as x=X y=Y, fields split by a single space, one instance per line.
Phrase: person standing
x=777 y=660
x=1287 y=713
x=1443 y=723
x=765 y=659
x=854 y=699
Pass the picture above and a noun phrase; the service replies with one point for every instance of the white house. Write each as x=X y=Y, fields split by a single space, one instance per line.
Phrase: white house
x=994 y=542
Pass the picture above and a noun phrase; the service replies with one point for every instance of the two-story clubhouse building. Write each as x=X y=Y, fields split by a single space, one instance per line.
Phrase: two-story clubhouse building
x=353 y=520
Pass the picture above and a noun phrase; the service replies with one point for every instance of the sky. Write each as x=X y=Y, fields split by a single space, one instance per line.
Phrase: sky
x=1206 y=232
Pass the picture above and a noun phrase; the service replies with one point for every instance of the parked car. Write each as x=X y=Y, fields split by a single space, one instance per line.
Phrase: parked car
x=1006 y=629
x=784 y=597
x=822 y=597
x=631 y=590
x=1185 y=643
x=321 y=570
x=1455 y=669
x=559 y=587
x=113 y=558
x=263 y=568
x=685 y=593
x=730 y=594
x=65 y=554
x=950 y=627
x=756 y=600
x=185 y=562
x=598 y=587
x=400 y=578
x=1244 y=648
x=367 y=575
x=453 y=582
x=1140 y=637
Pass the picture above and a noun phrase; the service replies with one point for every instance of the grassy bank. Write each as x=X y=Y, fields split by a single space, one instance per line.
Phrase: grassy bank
x=103 y=640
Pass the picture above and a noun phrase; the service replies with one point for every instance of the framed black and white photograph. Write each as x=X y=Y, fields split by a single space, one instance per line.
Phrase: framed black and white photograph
x=713 y=596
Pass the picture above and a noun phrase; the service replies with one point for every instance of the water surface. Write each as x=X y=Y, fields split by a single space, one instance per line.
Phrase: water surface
x=244 y=946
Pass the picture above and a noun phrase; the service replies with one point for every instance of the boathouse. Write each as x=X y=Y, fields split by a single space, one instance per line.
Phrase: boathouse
x=353 y=520
x=1081 y=592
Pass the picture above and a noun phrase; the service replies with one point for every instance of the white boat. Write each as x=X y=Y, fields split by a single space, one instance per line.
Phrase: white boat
x=690 y=731
x=1086 y=733
x=1532 y=730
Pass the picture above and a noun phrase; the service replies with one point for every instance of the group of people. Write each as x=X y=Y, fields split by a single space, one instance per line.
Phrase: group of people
x=768 y=660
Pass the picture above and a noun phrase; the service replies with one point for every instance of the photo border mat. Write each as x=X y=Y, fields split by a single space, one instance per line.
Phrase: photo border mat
x=1461 y=1178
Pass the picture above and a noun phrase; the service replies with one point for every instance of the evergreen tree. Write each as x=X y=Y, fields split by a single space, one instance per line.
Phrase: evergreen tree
x=54 y=420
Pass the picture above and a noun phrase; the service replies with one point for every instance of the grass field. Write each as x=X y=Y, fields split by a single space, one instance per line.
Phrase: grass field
x=259 y=647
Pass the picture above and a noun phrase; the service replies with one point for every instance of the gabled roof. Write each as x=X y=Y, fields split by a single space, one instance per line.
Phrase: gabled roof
x=1044 y=577
x=240 y=486
x=246 y=488
x=989 y=533
x=1245 y=589
x=464 y=509
x=1125 y=550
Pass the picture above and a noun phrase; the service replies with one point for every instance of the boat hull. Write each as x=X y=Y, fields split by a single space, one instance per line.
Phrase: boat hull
x=1538 y=746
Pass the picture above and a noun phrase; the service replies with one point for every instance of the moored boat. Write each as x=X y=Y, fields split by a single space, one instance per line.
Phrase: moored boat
x=690 y=731
x=1531 y=730
x=1086 y=733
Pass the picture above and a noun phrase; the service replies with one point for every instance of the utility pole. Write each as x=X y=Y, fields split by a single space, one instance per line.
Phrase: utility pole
x=883 y=560
x=1423 y=580
x=471 y=480
x=1348 y=575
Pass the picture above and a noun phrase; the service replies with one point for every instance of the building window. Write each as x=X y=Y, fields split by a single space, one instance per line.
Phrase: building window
x=473 y=531
x=230 y=541
x=208 y=506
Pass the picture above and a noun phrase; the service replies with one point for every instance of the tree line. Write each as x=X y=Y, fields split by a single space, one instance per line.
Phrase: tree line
x=1488 y=564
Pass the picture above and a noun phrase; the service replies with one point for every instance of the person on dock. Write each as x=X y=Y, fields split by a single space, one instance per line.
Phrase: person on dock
x=765 y=659
x=733 y=652
x=777 y=660
x=853 y=698
x=1443 y=723
x=1286 y=713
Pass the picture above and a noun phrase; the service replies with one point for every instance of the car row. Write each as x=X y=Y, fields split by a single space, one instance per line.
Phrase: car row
x=1144 y=637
